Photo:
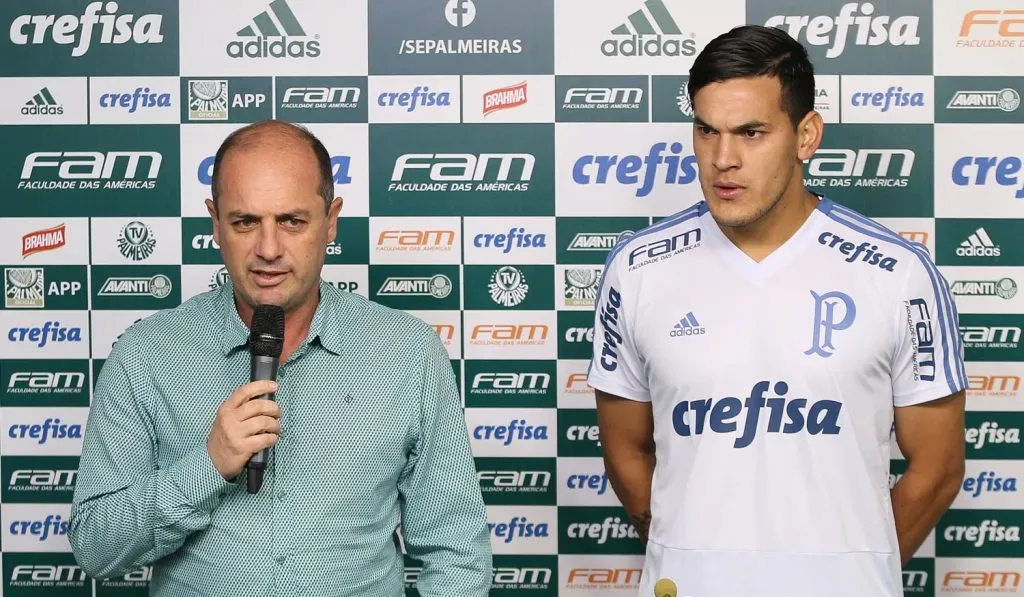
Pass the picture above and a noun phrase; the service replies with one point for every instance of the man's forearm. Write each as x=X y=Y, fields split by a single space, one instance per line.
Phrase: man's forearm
x=630 y=476
x=918 y=501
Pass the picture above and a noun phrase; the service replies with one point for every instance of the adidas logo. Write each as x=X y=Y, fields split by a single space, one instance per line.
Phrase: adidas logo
x=42 y=104
x=277 y=22
x=650 y=32
x=687 y=326
x=978 y=244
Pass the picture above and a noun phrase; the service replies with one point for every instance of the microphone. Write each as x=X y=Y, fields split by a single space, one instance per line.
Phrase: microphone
x=266 y=341
x=665 y=588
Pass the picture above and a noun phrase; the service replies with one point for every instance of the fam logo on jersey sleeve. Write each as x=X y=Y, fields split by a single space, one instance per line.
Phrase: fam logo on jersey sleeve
x=89 y=38
x=279 y=37
x=855 y=37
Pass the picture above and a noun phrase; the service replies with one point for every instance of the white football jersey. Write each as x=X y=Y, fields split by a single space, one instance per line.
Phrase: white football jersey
x=773 y=385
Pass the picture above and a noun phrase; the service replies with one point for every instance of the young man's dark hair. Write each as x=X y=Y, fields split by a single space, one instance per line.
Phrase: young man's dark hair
x=756 y=51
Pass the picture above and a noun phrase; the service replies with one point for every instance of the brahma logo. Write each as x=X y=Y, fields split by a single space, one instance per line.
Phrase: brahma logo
x=415 y=240
x=834 y=32
x=975 y=170
x=43 y=240
x=77 y=31
x=505 y=98
x=992 y=29
x=275 y=33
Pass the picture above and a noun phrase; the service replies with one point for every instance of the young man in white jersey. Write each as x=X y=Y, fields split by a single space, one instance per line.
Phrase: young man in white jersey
x=752 y=353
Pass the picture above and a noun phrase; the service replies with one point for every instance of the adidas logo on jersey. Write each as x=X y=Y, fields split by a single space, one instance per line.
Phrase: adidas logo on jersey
x=687 y=326
x=978 y=244
x=785 y=415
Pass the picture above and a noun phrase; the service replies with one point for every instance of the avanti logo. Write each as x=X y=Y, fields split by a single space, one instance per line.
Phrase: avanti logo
x=77 y=31
x=273 y=35
x=869 y=29
x=1005 y=288
x=597 y=241
x=158 y=286
x=974 y=170
x=43 y=240
x=51 y=331
x=649 y=33
x=42 y=104
x=438 y=286
x=624 y=168
x=786 y=415
x=1006 y=99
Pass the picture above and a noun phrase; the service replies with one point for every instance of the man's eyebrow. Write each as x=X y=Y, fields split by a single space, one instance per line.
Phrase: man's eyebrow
x=750 y=125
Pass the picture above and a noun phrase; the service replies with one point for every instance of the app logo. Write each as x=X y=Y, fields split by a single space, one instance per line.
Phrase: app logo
x=136 y=241
x=42 y=104
x=418 y=97
x=991 y=29
x=78 y=31
x=439 y=286
x=208 y=99
x=580 y=289
x=508 y=286
x=158 y=286
x=1005 y=288
x=504 y=98
x=649 y=31
x=1007 y=100
x=787 y=415
x=687 y=326
x=273 y=35
x=866 y=251
x=858 y=18
x=679 y=168
x=978 y=244
x=51 y=331
x=24 y=288
x=142 y=97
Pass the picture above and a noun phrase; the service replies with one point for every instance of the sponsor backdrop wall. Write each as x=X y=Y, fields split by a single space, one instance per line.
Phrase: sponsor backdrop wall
x=490 y=153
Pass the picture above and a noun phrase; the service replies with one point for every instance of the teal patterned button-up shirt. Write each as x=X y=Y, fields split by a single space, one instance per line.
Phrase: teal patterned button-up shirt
x=372 y=435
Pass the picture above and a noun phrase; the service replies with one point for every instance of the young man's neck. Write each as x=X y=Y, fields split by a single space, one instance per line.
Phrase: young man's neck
x=759 y=239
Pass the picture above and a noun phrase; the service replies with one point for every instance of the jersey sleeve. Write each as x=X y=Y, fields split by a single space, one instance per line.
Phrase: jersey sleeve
x=928 y=358
x=616 y=366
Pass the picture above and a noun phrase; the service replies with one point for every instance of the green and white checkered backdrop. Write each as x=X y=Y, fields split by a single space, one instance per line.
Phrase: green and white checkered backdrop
x=489 y=153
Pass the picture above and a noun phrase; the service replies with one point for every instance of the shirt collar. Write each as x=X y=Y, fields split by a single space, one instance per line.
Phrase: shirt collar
x=236 y=333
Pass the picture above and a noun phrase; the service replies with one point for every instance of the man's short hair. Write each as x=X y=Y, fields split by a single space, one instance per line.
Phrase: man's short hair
x=245 y=137
x=756 y=51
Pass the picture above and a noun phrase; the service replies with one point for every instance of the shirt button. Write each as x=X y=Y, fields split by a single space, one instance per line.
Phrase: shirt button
x=281 y=495
x=281 y=559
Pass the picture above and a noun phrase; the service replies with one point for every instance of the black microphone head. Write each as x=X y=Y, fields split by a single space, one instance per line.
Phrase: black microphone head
x=266 y=336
